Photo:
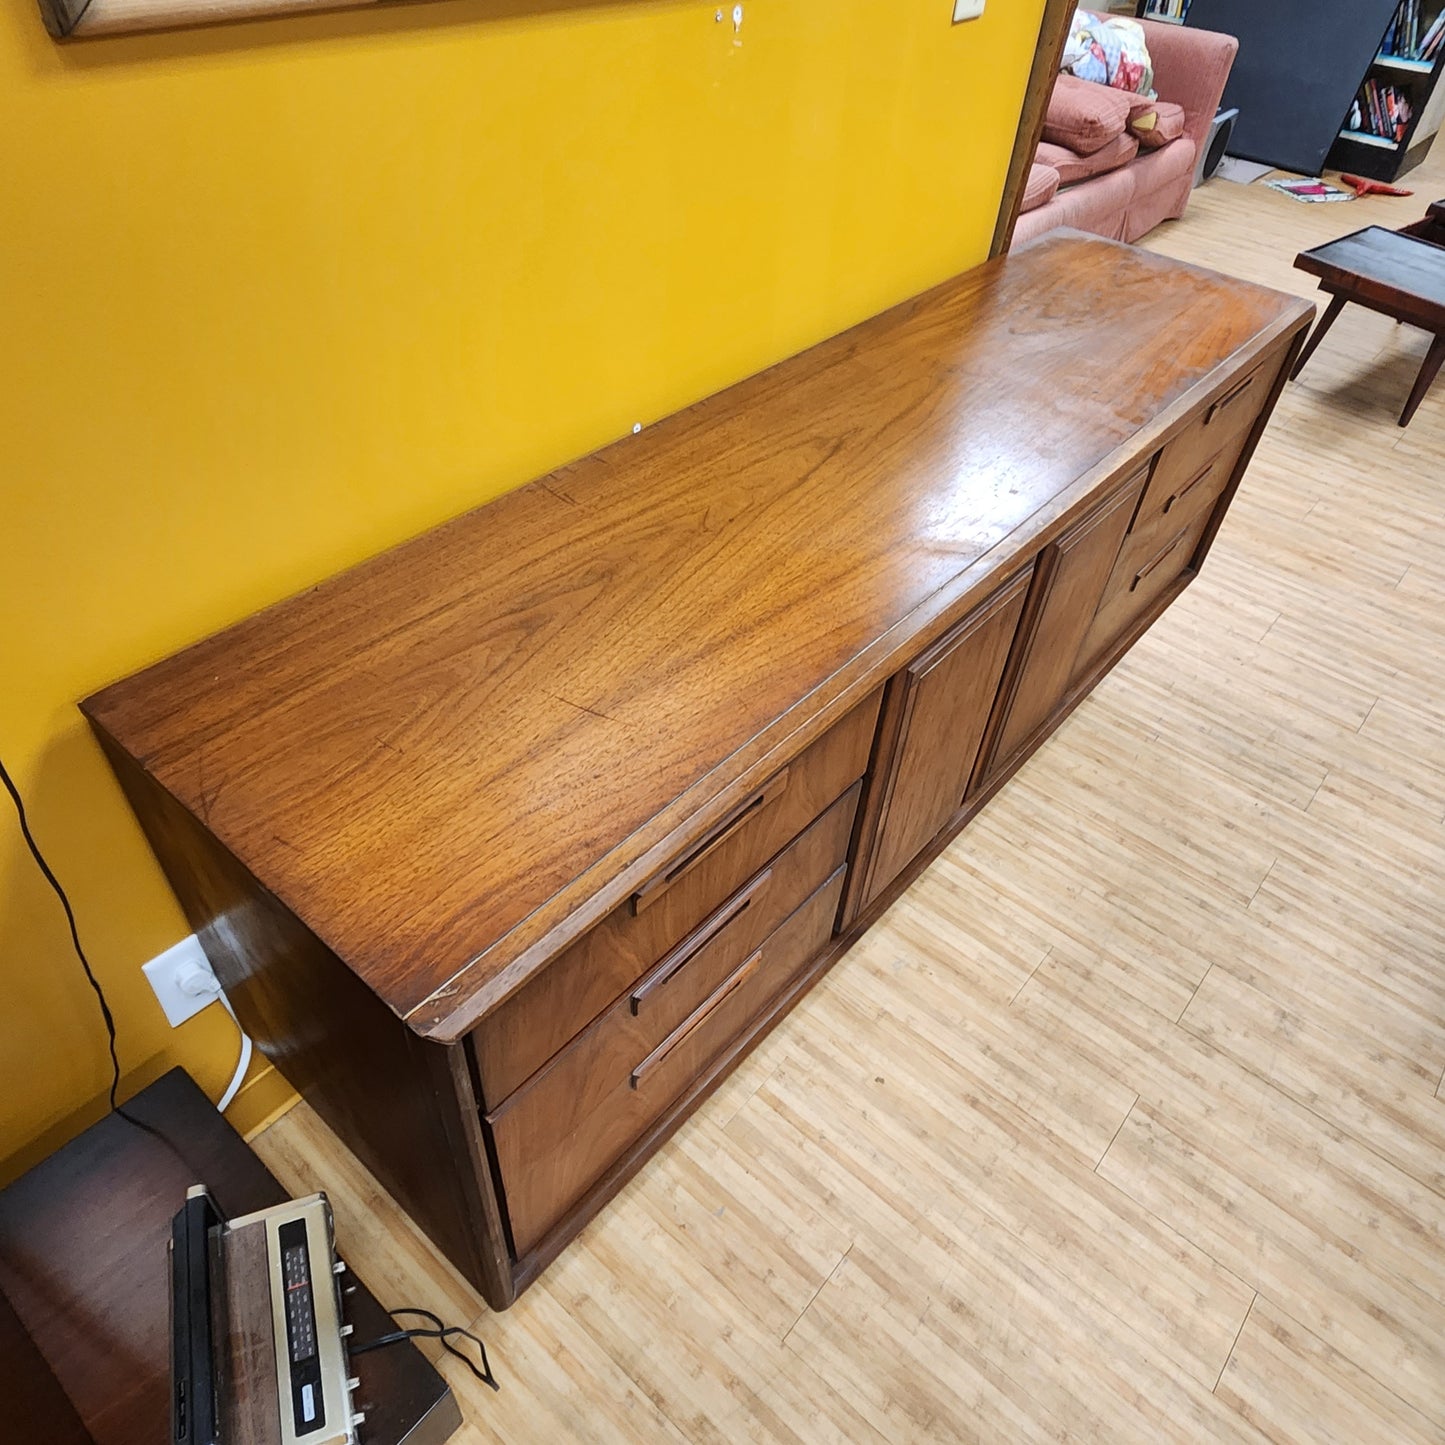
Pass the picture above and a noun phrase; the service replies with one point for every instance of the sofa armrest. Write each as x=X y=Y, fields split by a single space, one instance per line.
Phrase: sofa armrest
x=1190 y=68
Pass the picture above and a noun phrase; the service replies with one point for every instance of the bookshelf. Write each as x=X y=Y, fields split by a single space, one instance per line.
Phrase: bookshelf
x=1400 y=104
x=1174 y=11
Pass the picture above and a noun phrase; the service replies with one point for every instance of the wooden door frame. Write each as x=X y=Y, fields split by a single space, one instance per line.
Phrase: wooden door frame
x=1048 y=53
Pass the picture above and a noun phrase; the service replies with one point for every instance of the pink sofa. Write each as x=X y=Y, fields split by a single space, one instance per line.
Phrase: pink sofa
x=1190 y=68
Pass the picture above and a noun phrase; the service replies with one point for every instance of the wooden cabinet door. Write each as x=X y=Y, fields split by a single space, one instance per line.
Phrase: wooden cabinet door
x=1072 y=574
x=942 y=705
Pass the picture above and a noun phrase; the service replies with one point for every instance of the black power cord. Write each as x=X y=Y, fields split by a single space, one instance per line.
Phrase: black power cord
x=60 y=893
x=441 y=1332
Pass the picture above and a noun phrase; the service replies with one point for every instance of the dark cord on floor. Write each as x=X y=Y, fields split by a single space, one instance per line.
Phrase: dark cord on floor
x=441 y=1332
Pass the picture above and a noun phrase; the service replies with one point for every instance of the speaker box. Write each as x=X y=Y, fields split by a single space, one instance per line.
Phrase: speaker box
x=1221 y=128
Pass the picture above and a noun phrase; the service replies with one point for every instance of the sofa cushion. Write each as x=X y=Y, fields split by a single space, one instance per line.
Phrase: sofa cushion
x=1073 y=168
x=1083 y=116
x=1141 y=107
x=1100 y=207
x=1165 y=123
x=1040 y=187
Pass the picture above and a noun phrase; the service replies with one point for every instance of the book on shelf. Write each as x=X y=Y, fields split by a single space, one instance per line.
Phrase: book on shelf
x=1166 y=9
x=1381 y=110
x=1434 y=41
x=1411 y=36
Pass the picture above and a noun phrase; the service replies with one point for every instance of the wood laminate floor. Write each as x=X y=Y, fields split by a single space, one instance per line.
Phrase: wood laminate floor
x=1126 y=1124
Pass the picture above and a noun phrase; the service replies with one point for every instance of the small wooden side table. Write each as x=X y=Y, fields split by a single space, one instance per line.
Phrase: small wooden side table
x=1398 y=275
x=1431 y=227
x=84 y=1281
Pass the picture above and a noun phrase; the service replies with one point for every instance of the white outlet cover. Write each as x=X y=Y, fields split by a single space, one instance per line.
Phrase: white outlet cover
x=967 y=10
x=164 y=973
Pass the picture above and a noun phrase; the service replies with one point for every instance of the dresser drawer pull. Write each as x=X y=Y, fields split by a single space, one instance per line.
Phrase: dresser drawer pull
x=649 y=893
x=705 y=933
x=695 y=1021
x=1227 y=399
x=1188 y=487
x=1163 y=556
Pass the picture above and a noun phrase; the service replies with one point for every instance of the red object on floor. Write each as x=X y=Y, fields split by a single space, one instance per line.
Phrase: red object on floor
x=1363 y=186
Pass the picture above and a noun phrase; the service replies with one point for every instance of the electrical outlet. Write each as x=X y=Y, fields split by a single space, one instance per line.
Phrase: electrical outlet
x=967 y=10
x=182 y=980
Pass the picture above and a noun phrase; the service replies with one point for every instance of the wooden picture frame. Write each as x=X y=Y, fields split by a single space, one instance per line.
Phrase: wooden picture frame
x=1048 y=56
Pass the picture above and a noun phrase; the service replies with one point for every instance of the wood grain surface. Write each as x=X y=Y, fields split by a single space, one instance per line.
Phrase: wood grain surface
x=560 y=1133
x=1069 y=583
x=663 y=994
x=1216 y=889
x=401 y=1101
x=455 y=758
x=32 y=1394
x=250 y=1348
x=80 y=19
x=514 y=1040
x=945 y=700
x=1377 y=265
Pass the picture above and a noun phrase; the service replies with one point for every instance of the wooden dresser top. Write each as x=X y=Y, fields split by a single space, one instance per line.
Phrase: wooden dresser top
x=451 y=759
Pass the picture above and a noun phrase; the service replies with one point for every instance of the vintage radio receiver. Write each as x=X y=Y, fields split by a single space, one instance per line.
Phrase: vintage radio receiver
x=258 y=1349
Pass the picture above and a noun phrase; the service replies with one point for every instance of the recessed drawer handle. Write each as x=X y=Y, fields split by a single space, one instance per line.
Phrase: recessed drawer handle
x=1188 y=487
x=696 y=1020
x=705 y=933
x=649 y=893
x=1162 y=556
x=1228 y=399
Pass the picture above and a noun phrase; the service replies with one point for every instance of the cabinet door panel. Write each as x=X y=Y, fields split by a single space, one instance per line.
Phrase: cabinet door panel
x=1072 y=575
x=948 y=694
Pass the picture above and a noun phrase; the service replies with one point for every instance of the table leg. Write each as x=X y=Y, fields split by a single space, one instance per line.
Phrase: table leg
x=1337 y=304
x=1429 y=369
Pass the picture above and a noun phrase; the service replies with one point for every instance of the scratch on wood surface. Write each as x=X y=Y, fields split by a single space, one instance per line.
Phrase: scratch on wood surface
x=560 y=495
x=582 y=707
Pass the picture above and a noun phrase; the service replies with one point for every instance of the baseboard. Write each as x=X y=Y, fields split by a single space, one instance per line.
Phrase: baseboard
x=263 y=1099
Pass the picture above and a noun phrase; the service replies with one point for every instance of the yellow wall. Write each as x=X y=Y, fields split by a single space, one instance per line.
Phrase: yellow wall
x=275 y=295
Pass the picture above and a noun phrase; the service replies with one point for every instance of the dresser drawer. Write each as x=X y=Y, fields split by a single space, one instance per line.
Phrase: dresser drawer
x=1204 y=453
x=513 y=1042
x=685 y=975
x=1182 y=494
x=1141 y=576
x=557 y=1136
x=1178 y=494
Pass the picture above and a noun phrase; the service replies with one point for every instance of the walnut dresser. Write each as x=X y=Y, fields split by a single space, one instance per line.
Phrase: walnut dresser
x=510 y=842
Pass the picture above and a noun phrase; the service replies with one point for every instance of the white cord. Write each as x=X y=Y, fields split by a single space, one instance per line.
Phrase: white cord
x=234 y=1087
x=200 y=982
